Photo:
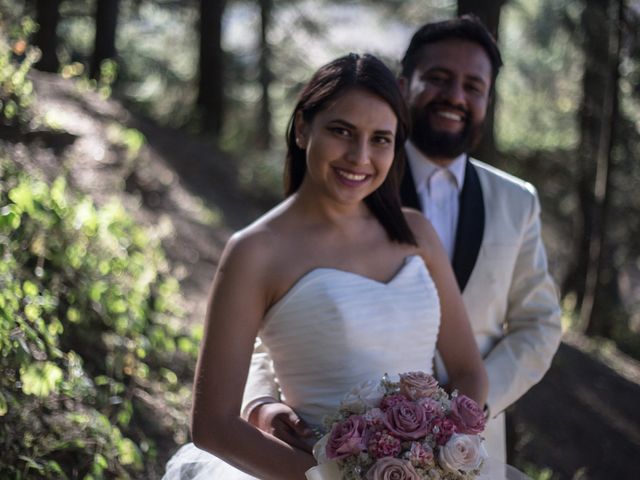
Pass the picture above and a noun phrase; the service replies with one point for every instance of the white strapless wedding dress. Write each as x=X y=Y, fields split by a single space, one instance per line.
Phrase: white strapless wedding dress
x=331 y=331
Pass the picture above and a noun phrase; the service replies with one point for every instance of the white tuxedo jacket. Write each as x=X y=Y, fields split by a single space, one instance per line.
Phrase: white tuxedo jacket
x=512 y=302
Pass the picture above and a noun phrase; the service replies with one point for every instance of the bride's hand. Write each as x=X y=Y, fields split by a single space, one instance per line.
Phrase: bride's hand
x=282 y=422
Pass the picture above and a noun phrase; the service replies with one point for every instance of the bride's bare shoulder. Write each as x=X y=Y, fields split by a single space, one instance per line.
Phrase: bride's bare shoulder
x=422 y=229
x=258 y=244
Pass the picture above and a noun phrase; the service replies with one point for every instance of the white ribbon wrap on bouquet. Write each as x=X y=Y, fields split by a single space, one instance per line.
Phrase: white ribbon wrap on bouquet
x=326 y=471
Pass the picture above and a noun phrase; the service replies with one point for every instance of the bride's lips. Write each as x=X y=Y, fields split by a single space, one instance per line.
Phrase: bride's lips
x=351 y=178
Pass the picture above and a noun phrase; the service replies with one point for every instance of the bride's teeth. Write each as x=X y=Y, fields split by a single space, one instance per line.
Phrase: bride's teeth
x=352 y=176
x=450 y=116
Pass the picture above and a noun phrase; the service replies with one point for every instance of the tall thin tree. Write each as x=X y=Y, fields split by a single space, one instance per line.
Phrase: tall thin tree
x=105 y=39
x=47 y=16
x=211 y=66
x=595 y=311
x=595 y=36
x=263 y=128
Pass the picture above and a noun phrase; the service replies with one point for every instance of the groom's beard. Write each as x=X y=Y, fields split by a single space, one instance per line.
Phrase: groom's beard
x=439 y=144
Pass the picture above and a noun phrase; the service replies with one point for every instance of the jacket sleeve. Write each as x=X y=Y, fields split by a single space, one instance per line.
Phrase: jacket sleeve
x=261 y=386
x=532 y=324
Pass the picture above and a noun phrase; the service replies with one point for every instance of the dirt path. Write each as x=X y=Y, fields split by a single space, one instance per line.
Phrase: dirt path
x=583 y=420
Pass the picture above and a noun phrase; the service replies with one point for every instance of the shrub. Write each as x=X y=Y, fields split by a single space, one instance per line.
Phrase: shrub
x=16 y=59
x=90 y=343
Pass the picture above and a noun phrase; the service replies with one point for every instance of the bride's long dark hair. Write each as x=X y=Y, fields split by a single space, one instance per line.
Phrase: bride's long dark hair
x=331 y=80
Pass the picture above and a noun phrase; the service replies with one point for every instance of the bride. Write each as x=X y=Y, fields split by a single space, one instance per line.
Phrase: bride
x=340 y=283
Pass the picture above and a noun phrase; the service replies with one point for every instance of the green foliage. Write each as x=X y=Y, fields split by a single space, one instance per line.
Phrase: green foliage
x=16 y=59
x=89 y=339
x=537 y=473
x=539 y=87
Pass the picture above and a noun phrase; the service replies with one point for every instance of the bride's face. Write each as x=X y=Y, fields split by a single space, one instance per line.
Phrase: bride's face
x=349 y=146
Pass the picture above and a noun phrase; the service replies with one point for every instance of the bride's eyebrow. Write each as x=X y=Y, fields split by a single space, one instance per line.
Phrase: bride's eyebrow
x=342 y=122
x=351 y=126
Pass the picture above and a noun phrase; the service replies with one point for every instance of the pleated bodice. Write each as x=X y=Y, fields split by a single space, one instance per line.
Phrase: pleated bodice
x=334 y=329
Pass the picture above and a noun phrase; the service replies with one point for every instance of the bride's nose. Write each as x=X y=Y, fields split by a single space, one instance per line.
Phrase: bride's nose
x=358 y=153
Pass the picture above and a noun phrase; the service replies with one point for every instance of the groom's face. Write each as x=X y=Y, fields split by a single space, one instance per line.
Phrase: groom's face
x=448 y=94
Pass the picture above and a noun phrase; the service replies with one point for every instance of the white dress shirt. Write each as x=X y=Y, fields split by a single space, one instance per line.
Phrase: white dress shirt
x=438 y=189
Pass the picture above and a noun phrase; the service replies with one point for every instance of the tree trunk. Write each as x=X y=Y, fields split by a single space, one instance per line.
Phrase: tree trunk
x=211 y=66
x=595 y=26
x=263 y=128
x=601 y=293
x=105 y=40
x=47 y=16
x=489 y=13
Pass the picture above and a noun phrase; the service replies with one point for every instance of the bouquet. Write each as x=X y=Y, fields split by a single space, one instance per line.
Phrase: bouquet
x=406 y=430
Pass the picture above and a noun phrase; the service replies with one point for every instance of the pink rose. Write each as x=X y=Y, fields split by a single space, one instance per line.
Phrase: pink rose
x=462 y=452
x=348 y=437
x=442 y=429
x=415 y=385
x=420 y=455
x=390 y=468
x=467 y=415
x=391 y=400
x=381 y=444
x=407 y=421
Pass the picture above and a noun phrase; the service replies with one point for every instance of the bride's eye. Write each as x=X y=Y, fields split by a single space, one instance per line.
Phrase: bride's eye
x=382 y=140
x=341 y=131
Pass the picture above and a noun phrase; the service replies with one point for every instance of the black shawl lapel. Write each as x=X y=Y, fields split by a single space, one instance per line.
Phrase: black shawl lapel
x=470 y=228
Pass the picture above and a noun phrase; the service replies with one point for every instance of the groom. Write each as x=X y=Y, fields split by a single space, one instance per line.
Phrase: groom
x=488 y=221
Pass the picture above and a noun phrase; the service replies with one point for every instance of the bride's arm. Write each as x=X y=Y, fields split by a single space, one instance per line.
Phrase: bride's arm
x=238 y=301
x=456 y=342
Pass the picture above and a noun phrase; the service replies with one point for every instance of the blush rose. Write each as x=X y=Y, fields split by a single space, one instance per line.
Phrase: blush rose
x=407 y=421
x=416 y=385
x=467 y=415
x=389 y=468
x=347 y=438
x=462 y=452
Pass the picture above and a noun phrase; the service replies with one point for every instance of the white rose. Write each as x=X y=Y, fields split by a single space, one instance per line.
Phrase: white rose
x=462 y=452
x=365 y=395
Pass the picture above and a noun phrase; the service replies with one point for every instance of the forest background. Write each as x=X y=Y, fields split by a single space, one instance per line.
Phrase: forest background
x=135 y=135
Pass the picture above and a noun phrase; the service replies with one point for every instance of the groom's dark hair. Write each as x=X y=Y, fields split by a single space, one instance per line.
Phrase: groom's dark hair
x=365 y=72
x=466 y=27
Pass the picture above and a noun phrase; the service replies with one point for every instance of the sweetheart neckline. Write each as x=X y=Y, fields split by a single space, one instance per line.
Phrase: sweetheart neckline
x=300 y=281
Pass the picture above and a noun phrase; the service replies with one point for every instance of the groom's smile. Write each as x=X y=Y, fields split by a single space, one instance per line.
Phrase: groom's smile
x=446 y=117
